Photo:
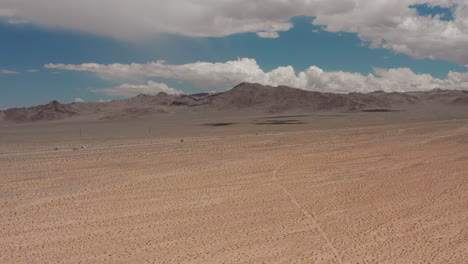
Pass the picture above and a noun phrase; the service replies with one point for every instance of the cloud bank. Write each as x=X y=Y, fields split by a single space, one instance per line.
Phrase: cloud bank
x=387 y=24
x=130 y=90
x=223 y=76
x=8 y=72
x=268 y=34
x=17 y=21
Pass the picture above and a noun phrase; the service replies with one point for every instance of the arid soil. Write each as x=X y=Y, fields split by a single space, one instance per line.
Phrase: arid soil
x=334 y=191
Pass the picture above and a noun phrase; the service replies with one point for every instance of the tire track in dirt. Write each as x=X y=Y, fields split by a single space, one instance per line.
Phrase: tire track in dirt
x=311 y=217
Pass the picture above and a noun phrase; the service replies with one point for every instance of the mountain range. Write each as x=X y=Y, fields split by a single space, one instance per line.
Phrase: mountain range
x=245 y=97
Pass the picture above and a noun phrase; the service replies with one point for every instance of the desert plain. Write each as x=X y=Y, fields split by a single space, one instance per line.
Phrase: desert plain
x=331 y=187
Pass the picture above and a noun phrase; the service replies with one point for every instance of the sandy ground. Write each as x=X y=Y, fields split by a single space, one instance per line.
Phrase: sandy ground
x=317 y=193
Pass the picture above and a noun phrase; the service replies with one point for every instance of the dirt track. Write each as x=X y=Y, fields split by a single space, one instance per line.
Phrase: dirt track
x=372 y=195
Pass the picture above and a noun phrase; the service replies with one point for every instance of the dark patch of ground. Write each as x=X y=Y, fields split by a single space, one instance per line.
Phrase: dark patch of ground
x=281 y=122
x=329 y=115
x=285 y=116
x=219 y=124
x=379 y=110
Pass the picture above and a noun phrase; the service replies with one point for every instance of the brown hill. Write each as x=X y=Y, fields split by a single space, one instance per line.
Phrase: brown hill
x=244 y=97
x=247 y=96
x=461 y=100
x=51 y=111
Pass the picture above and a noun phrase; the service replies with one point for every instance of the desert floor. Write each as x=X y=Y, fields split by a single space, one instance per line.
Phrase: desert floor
x=372 y=188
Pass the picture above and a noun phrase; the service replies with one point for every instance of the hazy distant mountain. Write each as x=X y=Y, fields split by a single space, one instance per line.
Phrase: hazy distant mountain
x=243 y=97
x=51 y=111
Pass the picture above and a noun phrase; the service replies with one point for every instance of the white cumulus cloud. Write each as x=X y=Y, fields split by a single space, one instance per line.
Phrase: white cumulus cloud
x=18 y=21
x=393 y=25
x=6 y=12
x=8 y=72
x=78 y=100
x=222 y=76
x=129 y=90
x=268 y=34
x=389 y=24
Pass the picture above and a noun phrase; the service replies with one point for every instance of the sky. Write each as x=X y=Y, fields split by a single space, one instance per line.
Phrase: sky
x=98 y=50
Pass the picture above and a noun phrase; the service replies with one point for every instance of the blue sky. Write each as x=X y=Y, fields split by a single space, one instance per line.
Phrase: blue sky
x=29 y=46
